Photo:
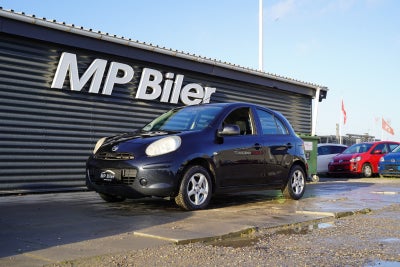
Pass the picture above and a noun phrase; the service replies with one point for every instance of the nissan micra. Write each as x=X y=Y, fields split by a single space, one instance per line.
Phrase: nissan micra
x=191 y=153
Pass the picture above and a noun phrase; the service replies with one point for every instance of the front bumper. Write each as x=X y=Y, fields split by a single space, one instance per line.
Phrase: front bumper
x=347 y=168
x=131 y=179
x=389 y=169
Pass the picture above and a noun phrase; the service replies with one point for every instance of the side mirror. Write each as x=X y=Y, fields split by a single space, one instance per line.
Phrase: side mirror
x=229 y=129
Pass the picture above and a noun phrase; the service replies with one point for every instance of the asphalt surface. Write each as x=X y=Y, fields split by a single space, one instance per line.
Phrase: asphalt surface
x=41 y=229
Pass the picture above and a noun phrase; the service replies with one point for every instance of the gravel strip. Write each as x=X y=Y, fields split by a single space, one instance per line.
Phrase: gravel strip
x=371 y=239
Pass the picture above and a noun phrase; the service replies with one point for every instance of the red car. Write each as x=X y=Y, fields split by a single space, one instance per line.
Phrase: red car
x=360 y=159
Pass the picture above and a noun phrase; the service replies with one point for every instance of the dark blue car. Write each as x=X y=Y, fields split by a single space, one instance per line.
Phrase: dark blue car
x=389 y=164
x=193 y=152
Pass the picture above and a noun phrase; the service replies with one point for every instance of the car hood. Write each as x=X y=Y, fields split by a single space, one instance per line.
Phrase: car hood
x=346 y=157
x=138 y=137
x=395 y=155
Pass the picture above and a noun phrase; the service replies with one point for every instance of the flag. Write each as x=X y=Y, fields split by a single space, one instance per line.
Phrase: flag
x=344 y=114
x=386 y=127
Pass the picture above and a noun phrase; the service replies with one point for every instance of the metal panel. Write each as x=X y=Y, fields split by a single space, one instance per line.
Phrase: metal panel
x=47 y=134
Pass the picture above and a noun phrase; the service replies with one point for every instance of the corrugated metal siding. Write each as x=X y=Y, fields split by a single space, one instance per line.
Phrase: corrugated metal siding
x=47 y=134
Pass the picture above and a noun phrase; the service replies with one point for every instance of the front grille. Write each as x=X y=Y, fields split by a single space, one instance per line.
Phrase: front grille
x=128 y=176
x=113 y=156
x=392 y=167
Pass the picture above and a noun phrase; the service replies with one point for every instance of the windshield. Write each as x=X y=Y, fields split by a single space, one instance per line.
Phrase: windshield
x=184 y=119
x=396 y=150
x=357 y=148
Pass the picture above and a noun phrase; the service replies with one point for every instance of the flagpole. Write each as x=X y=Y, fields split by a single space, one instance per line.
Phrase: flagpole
x=260 y=36
x=340 y=122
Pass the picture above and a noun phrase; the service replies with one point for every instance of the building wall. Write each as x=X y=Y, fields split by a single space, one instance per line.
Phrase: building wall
x=46 y=134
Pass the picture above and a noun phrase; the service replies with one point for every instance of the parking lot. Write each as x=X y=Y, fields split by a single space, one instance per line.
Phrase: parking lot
x=41 y=229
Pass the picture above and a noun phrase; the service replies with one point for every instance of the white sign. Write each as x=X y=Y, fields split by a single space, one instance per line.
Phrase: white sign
x=308 y=146
x=152 y=85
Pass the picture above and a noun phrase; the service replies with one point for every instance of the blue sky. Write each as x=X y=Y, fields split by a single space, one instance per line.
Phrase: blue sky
x=350 y=46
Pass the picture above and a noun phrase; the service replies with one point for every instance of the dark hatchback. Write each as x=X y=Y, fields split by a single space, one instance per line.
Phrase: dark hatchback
x=193 y=152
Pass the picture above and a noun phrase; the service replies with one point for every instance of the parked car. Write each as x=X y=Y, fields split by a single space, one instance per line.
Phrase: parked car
x=360 y=159
x=389 y=164
x=326 y=152
x=192 y=152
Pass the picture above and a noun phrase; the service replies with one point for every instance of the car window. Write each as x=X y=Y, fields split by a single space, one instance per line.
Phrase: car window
x=357 y=148
x=323 y=150
x=337 y=149
x=242 y=118
x=270 y=124
x=185 y=119
x=380 y=147
x=393 y=147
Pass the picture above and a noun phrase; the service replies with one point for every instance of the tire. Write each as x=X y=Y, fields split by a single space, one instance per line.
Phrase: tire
x=195 y=189
x=367 y=170
x=111 y=199
x=296 y=184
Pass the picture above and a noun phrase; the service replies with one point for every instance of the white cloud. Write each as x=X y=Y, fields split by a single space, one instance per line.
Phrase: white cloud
x=281 y=9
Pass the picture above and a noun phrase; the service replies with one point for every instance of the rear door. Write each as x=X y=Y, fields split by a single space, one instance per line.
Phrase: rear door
x=278 y=144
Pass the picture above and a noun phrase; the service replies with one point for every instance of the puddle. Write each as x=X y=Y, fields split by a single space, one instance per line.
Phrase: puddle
x=302 y=230
x=385 y=192
x=391 y=240
x=236 y=242
x=247 y=241
x=383 y=263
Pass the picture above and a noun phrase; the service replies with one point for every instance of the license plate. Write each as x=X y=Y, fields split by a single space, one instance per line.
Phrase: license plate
x=107 y=175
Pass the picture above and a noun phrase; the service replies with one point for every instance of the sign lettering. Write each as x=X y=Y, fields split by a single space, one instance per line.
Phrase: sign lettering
x=152 y=85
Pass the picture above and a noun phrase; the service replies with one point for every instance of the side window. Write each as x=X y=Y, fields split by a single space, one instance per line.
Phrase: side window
x=270 y=124
x=323 y=150
x=381 y=147
x=242 y=118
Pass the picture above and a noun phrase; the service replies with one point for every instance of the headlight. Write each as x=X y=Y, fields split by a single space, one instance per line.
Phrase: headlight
x=98 y=144
x=382 y=159
x=163 y=146
x=356 y=159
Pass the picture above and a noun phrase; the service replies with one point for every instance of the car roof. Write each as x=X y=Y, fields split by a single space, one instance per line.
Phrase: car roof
x=378 y=142
x=232 y=105
x=331 y=144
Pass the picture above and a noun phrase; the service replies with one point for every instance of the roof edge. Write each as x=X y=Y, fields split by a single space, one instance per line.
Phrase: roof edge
x=53 y=24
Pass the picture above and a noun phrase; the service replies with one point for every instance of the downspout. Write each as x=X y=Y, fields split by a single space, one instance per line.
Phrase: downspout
x=315 y=113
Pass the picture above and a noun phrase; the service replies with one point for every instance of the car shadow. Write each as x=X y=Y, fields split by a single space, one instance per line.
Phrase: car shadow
x=40 y=221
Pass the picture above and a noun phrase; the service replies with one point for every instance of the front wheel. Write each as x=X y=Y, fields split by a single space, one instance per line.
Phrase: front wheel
x=296 y=184
x=367 y=170
x=195 y=189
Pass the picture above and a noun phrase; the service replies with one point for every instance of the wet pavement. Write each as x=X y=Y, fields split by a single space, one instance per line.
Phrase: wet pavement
x=41 y=229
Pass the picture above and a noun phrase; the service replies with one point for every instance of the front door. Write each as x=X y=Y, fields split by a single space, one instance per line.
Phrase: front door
x=240 y=158
x=240 y=161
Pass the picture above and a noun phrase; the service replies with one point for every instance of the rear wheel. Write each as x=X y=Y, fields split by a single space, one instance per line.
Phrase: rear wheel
x=296 y=184
x=195 y=189
x=367 y=170
x=110 y=198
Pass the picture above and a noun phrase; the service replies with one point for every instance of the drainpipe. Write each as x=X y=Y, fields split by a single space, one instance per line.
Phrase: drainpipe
x=315 y=113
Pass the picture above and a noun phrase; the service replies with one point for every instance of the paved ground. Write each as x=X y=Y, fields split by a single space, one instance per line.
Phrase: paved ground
x=46 y=228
